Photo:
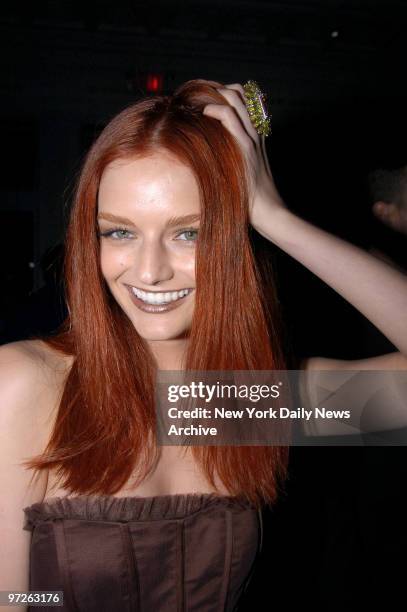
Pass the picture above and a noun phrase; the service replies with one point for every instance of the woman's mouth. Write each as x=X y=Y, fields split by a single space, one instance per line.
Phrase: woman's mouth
x=158 y=302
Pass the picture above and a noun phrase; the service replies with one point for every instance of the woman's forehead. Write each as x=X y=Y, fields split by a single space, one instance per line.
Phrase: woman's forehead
x=154 y=165
x=158 y=182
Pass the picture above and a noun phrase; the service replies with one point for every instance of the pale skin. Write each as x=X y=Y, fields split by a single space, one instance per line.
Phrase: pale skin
x=32 y=377
x=148 y=216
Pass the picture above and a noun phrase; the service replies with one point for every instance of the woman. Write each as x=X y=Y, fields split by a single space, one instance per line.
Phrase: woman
x=116 y=522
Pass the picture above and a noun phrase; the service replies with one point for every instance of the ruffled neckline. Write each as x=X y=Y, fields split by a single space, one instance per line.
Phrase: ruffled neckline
x=124 y=509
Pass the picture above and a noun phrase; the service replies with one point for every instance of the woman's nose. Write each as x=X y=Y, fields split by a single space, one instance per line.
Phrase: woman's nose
x=153 y=263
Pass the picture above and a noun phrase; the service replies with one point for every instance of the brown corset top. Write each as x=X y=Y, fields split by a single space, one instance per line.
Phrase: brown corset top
x=169 y=553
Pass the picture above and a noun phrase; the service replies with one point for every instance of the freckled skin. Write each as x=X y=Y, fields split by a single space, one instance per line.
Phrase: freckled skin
x=148 y=192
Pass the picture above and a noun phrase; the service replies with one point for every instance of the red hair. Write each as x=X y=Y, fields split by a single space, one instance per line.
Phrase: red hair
x=105 y=425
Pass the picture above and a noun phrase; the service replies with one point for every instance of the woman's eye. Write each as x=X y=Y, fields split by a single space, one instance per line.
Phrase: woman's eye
x=189 y=233
x=120 y=233
x=116 y=234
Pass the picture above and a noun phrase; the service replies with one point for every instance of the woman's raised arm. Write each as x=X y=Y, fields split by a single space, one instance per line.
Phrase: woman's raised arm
x=376 y=289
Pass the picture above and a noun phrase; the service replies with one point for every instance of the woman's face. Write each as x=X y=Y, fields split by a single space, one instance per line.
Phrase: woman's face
x=148 y=215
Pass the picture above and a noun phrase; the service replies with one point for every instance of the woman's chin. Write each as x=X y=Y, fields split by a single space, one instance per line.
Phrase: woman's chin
x=162 y=336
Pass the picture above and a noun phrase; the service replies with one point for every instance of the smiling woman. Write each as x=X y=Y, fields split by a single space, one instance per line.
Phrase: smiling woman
x=149 y=260
x=161 y=274
x=158 y=257
x=157 y=170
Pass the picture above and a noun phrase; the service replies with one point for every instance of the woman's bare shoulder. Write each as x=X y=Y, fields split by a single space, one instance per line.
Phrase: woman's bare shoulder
x=28 y=355
x=31 y=382
x=32 y=372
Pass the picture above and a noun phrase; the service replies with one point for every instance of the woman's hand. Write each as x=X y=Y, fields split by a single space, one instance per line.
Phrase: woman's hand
x=264 y=197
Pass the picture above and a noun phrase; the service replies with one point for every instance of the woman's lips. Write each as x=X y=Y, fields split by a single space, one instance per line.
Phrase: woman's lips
x=156 y=308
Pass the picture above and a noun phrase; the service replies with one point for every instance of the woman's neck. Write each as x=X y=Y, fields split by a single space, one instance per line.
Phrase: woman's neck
x=169 y=354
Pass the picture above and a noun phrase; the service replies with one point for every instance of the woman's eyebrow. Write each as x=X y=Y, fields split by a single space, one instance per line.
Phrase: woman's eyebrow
x=185 y=220
x=172 y=221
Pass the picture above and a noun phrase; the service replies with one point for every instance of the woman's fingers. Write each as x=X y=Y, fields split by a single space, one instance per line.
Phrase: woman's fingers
x=234 y=94
x=234 y=116
x=229 y=118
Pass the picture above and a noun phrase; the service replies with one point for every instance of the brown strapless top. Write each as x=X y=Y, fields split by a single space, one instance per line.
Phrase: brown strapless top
x=169 y=553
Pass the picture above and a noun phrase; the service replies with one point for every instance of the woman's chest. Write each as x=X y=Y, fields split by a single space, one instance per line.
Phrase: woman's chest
x=176 y=472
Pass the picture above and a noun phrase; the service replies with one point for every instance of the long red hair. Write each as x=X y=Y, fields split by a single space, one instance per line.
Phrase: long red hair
x=106 y=417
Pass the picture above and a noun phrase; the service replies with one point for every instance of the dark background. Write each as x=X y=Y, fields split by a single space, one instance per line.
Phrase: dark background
x=335 y=74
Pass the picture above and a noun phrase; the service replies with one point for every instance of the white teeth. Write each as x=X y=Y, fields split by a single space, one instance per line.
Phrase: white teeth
x=160 y=298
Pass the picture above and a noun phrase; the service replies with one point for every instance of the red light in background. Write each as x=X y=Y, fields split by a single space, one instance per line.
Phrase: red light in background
x=154 y=83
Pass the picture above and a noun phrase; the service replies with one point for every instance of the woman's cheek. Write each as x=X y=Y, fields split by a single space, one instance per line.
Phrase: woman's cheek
x=186 y=262
x=113 y=261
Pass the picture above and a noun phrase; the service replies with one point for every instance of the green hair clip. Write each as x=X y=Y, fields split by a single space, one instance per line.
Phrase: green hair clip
x=257 y=109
